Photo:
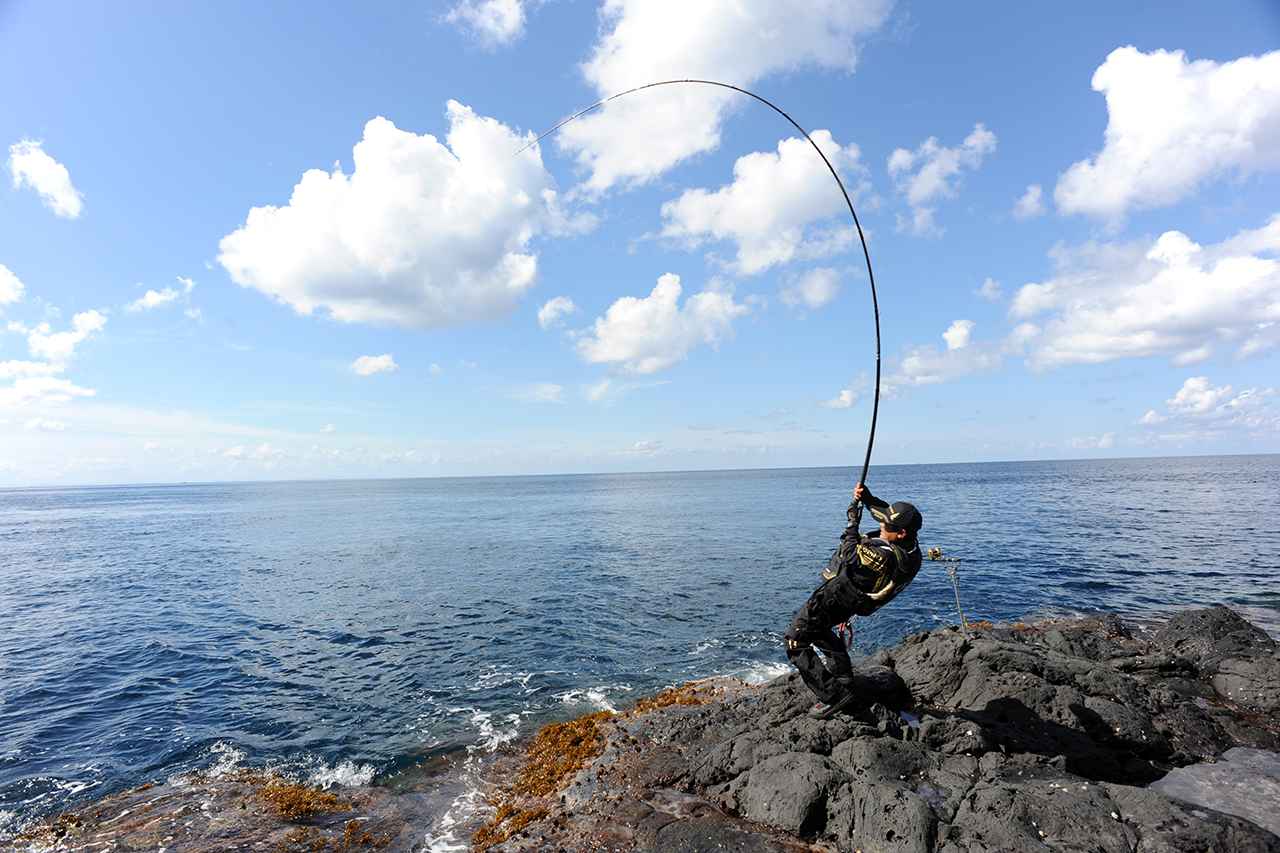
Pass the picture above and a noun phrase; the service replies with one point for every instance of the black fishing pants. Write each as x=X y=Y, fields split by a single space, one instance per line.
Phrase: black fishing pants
x=830 y=605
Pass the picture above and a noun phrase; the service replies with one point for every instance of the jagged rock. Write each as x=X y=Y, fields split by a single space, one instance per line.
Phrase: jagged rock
x=790 y=791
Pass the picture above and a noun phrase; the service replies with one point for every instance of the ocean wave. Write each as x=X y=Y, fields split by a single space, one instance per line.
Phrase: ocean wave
x=761 y=672
x=345 y=774
x=595 y=697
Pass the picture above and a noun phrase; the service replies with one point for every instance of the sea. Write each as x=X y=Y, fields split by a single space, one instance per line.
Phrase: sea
x=398 y=632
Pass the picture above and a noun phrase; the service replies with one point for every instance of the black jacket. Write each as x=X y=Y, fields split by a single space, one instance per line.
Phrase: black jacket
x=899 y=562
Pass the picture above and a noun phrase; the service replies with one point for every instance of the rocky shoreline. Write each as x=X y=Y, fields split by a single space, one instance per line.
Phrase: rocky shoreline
x=1080 y=734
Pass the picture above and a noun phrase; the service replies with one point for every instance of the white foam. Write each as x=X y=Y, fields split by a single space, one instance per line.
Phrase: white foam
x=763 y=672
x=595 y=697
x=228 y=758
x=346 y=774
x=492 y=735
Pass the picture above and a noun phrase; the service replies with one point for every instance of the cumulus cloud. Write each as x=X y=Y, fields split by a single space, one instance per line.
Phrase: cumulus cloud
x=843 y=400
x=31 y=166
x=1031 y=204
x=957 y=334
x=772 y=203
x=1199 y=407
x=495 y=22
x=931 y=365
x=1173 y=124
x=40 y=390
x=420 y=234
x=539 y=392
x=153 y=299
x=652 y=333
x=59 y=347
x=1197 y=396
x=932 y=172
x=16 y=369
x=554 y=311
x=990 y=290
x=812 y=290
x=637 y=138
x=11 y=287
x=1171 y=297
x=368 y=365
x=1095 y=442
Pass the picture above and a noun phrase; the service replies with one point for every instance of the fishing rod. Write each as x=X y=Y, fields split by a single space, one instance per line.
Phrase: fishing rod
x=871 y=276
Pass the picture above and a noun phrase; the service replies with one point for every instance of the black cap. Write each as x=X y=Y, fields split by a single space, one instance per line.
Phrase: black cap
x=899 y=516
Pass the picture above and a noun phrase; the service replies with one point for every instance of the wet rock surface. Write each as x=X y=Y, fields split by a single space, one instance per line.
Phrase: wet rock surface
x=1063 y=735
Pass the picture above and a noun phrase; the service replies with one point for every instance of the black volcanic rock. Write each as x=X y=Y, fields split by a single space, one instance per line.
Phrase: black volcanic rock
x=1037 y=737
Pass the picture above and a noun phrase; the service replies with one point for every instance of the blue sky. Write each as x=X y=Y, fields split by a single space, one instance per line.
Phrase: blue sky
x=247 y=241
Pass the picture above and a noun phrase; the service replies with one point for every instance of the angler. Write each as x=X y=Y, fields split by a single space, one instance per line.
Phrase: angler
x=865 y=573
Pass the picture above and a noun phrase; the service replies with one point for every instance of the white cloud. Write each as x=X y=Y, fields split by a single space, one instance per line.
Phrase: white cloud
x=420 y=234
x=1095 y=442
x=45 y=425
x=990 y=290
x=1197 y=396
x=1192 y=356
x=554 y=311
x=435 y=369
x=1199 y=409
x=328 y=428
x=932 y=365
x=844 y=400
x=59 y=347
x=188 y=285
x=15 y=369
x=265 y=453
x=932 y=172
x=153 y=299
x=40 y=390
x=31 y=166
x=1171 y=297
x=540 y=392
x=193 y=314
x=650 y=447
x=637 y=138
x=11 y=287
x=1031 y=204
x=598 y=390
x=957 y=334
x=496 y=22
x=1173 y=124
x=645 y=335
x=812 y=290
x=367 y=365
x=771 y=204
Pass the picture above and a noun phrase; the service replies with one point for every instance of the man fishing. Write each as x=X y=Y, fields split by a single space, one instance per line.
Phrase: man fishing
x=864 y=574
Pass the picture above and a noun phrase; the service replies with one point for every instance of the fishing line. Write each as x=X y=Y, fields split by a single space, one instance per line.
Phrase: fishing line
x=871 y=276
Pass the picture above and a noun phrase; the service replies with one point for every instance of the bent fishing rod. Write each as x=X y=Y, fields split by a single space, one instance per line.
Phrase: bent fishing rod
x=871 y=276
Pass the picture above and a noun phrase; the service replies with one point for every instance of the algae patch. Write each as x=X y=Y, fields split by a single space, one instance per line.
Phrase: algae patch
x=557 y=752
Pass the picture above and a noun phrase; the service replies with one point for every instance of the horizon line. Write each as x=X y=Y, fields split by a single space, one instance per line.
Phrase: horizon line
x=159 y=483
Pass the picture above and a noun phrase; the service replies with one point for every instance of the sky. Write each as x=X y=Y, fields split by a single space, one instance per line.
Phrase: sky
x=244 y=241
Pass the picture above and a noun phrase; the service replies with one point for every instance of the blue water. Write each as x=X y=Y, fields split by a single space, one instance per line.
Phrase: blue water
x=352 y=630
